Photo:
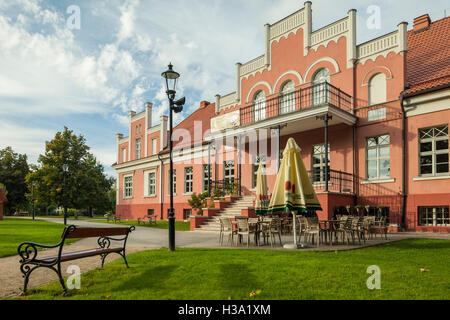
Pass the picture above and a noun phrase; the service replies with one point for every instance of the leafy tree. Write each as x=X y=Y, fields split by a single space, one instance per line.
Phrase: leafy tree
x=86 y=186
x=198 y=202
x=13 y=170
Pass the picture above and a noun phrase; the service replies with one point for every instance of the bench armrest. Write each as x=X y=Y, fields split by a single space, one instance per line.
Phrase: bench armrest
x=105 y=242
x=28 y=250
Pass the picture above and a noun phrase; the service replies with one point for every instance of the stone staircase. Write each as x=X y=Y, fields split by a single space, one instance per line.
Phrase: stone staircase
x=213 y=224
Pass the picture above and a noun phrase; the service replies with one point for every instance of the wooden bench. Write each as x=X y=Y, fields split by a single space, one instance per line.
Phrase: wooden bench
x=30 y=261
x=151 y=219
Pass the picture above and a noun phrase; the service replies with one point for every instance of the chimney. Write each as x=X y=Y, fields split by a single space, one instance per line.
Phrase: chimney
x=148 y=114
x=204 y=104
x=163 y=133
x=422 y=23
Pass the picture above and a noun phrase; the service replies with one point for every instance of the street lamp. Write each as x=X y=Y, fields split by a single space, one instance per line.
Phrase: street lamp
x=65 y=169
x=171 y=78
x=32 y=196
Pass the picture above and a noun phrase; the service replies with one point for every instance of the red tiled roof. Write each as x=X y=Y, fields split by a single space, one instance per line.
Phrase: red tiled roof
x=428 y=57
x=203 y=114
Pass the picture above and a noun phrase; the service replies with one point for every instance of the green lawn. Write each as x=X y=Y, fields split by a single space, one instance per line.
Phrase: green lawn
x=224 y=273
x=14 y=231
x=160 y=224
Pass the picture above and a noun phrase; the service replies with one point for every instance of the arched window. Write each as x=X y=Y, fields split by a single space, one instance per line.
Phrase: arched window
x=259 y=101
x=287 y=99
x=377 y=89
x=320 y=87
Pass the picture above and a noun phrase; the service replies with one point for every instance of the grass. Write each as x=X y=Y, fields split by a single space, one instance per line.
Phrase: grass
x=71 y=217
x=14 y=231
x=160 y=224
x=220 y=274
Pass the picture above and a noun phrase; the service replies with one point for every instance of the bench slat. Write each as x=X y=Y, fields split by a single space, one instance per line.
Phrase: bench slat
x=79 y=254
x=97 y=232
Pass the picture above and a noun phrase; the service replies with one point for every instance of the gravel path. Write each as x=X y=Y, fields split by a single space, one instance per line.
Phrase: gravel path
x=141 y=239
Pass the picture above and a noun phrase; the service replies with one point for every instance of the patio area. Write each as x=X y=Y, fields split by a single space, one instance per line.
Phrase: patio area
x=341 y=233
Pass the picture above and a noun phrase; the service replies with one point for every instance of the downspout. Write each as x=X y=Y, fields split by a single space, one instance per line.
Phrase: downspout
x=161 y=192
x=404 y=178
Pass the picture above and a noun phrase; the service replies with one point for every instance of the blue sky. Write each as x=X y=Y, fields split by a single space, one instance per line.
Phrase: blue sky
x=88 y=79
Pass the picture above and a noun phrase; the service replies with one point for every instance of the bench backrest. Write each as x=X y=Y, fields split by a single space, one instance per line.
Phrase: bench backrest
x=79 y=233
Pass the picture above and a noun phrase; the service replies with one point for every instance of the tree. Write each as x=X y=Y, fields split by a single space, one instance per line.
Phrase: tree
x=86 y=185
x=13 y=170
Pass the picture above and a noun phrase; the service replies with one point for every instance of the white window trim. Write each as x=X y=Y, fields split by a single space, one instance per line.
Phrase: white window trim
x=378 y=181
x=427 y=178
x=146 y=186
x=132 y=186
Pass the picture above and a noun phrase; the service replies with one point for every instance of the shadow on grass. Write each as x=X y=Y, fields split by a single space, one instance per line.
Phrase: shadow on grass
x=154 y=278
x=237 y=276
x=421 y=244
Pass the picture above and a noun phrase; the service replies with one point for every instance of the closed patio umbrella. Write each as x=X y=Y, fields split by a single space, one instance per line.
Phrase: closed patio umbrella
x=293 y=191
x=261 y=202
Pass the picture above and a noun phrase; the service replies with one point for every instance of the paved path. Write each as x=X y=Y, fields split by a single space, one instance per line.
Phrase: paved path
x=144 y=239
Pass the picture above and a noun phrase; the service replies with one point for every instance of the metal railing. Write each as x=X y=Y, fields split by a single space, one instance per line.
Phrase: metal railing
x=338 y=181
x=226 y=187
x=314 y=96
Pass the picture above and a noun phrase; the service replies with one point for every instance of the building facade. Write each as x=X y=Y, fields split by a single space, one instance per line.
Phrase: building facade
x=377 y=112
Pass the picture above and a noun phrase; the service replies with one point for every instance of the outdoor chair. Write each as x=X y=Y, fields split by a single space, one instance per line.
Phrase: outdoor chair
x=343 y=229
x=358 y=229
x=243 y=229
x=226 y=229
x=271 y=229
x=367 y=225
x=313 y=231
x=301 y=227
x=379 y=225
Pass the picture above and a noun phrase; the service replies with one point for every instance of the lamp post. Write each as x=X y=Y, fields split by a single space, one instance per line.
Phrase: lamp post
x=32 y=197
x=171 y=78
x=65 y=168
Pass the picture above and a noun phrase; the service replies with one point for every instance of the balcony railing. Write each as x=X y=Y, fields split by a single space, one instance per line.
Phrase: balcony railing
x=338 y=181
x=314 y=96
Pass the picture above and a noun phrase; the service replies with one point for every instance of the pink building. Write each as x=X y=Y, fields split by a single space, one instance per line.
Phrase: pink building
x=383 y=106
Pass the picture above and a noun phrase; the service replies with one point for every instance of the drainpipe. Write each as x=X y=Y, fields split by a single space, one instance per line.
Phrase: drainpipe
x=404 y=178
x=161 y=182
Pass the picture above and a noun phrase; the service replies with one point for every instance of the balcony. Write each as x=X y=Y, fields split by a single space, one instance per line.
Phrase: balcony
x=317 y=97
x=338 y=181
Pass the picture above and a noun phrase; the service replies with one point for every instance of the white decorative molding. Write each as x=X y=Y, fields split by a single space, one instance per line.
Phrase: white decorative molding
x=378 y=181
x=289 y=24
x=381 y=46
x=299 y=77
x=257 y=84
x=253 y=66
x=329 y=33
x=227 y=101
x=431 y=178
x=366 y=78
x=327 y=59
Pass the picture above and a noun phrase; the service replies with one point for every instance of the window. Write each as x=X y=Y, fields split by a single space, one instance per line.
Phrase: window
x=320 y=87
x=188 y=180
x=174 y=182
x=433 y=150
x=434 y=216
x=206 y=174
x=228 y=171
x=152 y=183
x=138 y=149
x=255 y=166
x=128 y=187
x=153 y=146
x=318 y=163
x=150 y=212
x=260 y=106
x=124 y=154
x=377 y=89
x=287 y=99
x=376 y=114
x=187 y=213
x=379 y=212
x=378 y=165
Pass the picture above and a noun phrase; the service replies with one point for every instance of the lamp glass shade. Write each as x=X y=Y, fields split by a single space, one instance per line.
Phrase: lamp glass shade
x=171 y=77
